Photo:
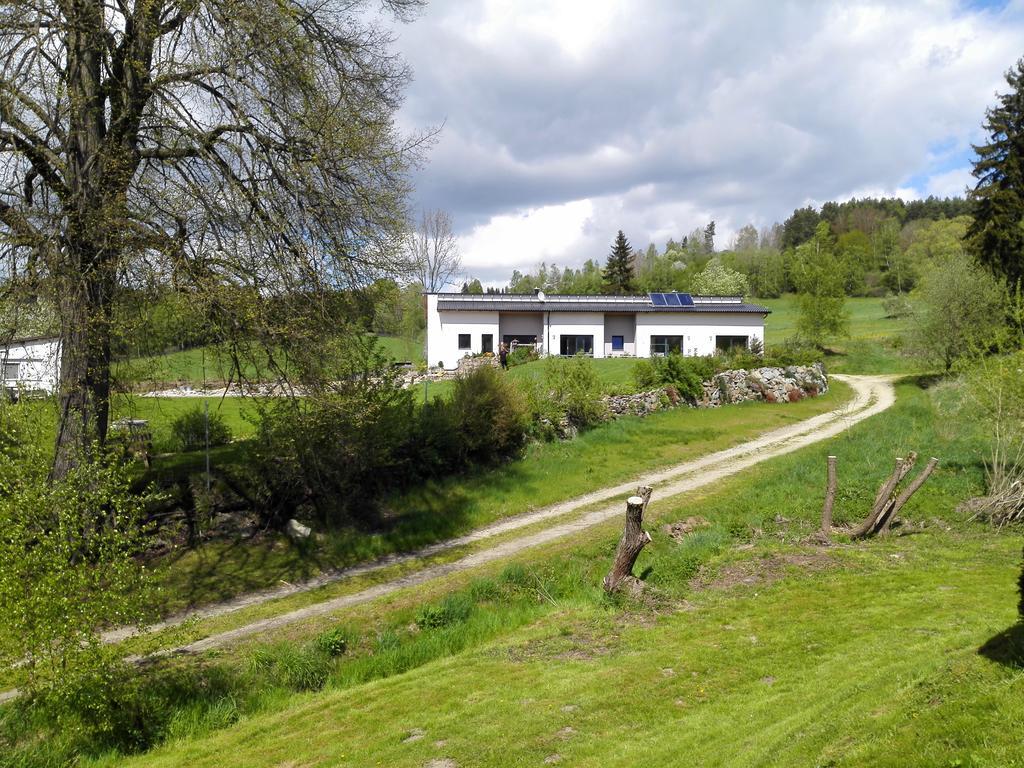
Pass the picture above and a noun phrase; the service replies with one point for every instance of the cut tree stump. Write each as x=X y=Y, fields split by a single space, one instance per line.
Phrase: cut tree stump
x=634 y=538
x=830 y=497
x=887 y=502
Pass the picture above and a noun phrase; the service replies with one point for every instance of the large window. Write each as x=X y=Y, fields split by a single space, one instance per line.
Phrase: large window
x=729 y=343
x=662 y=345
x=464 y=342
x=487 y=342
x=618 y=343
x=575 y=345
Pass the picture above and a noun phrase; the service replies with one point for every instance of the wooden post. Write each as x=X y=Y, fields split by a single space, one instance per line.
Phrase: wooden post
x=634 y=538
x=885 y=497
x=830 y=497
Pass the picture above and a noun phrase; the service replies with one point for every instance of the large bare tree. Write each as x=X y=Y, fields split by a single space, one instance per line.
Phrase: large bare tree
x=433 y=251
x=199 y=143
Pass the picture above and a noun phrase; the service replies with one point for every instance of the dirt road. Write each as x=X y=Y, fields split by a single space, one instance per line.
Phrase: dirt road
x=872 y=395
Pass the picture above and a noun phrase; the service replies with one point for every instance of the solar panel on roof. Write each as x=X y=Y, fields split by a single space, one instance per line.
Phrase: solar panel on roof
x=672 y=300
x=686 y=299
x=658 y=299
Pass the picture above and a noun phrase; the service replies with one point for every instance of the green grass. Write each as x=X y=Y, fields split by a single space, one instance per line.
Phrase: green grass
x=547 y=473
x=873 y=346
x=759 y=649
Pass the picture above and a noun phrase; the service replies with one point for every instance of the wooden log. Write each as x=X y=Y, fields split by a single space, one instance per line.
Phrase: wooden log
x=634 y=538
x=830 y=497
x=909 y=491
x=885 y=497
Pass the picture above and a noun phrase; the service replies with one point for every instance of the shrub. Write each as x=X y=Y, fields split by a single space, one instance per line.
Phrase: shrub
x=521 y=355
x=793 y=351
x=897 y=306
x=336 y=449
x=685 y=374
x=189 y=430
x=575 y=389
x=488 y=414
x=333 y=642
x=454 y=609
x=70 y=564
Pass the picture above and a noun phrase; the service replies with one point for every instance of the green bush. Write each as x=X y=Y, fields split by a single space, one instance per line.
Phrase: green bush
x=686 y=374
x=334 y=642
x=338 y=448
x=575 y=389
x=290 y=666
x=189 y=430
x=489 y=416
x=521 y=355
x=454 y=609
x=793 y=351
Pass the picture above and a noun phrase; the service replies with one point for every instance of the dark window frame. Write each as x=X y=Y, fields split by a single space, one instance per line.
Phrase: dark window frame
x=618 y=343
x=663 y=345
x=469 y=341
x=486 y=343
x=569 y=345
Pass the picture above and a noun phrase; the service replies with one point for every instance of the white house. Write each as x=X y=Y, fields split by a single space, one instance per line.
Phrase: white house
x=30 y=364
x=460 y=324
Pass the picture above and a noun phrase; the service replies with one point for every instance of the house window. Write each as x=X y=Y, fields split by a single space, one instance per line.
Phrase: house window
x=487 y=342
x=11 y=371
x=618 y=343
x=464 y=342
x=729 y=343
x=576 y=345
x=663 y=345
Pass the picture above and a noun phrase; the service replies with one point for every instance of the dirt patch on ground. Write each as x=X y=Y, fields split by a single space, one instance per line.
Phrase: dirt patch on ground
x=578 y=644
x=761 y=571
x=680 y=528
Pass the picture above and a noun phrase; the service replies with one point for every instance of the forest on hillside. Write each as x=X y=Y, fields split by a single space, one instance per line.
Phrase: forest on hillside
x=879 y=246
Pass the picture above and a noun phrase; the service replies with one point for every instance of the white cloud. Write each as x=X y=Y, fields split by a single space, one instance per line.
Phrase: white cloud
x=660 y=115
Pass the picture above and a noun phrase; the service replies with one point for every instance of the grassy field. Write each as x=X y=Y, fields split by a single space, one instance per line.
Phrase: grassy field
x=547 y=473
x=754 y=647
x=874 y=344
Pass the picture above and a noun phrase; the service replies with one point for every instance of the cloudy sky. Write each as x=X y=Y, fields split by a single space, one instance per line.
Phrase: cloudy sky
x=566 y=120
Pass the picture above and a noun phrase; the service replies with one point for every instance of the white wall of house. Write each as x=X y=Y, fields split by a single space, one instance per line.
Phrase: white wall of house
x=31 y=365
x=620 y=325
x=445 y=327
x=698 y=329
x=576 y=324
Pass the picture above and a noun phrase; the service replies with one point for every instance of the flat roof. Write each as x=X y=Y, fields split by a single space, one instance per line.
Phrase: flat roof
x=513 y=302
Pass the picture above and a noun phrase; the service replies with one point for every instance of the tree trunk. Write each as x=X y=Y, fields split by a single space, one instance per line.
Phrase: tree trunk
x=909 y=491
x=634 y=538
x=885 y=497
x=830 y=497
x=84 y=383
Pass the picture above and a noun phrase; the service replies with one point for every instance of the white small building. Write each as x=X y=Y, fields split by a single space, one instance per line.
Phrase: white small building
x=31 y=364
x=460 y=324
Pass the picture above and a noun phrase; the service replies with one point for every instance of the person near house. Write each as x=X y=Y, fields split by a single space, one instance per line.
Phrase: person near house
x=503 y=355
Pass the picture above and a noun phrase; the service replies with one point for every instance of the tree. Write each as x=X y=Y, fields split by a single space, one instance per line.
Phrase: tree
x=718 y=280
x=618 y=270
x=820 y=289
x=959 y=310
x=746 y=239
x=473 y=286
x=709 y=238
x=997 y=232
x=433 y=251
x=226 y=149
x=799 y=228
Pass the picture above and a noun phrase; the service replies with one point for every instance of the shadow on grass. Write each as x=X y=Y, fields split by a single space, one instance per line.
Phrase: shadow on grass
x=1007 y=647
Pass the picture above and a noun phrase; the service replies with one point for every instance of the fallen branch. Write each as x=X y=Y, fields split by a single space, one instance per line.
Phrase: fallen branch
x=888 y=502
x=634 y=538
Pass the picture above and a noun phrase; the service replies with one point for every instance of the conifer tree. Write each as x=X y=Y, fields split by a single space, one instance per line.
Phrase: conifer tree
x=618 y=271
x=997 y=232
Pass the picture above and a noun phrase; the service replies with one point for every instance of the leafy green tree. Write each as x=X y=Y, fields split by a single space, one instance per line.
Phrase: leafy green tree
x=70 y=565
x=997 y=232
x=959 y=310
x=618 y=270
x=202 y=144
x=820 y=289
x=718 y=280
x=473 y=286
x=747 y=239
x=799 y=228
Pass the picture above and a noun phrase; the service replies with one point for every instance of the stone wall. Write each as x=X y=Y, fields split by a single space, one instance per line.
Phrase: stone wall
x=773 y=385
